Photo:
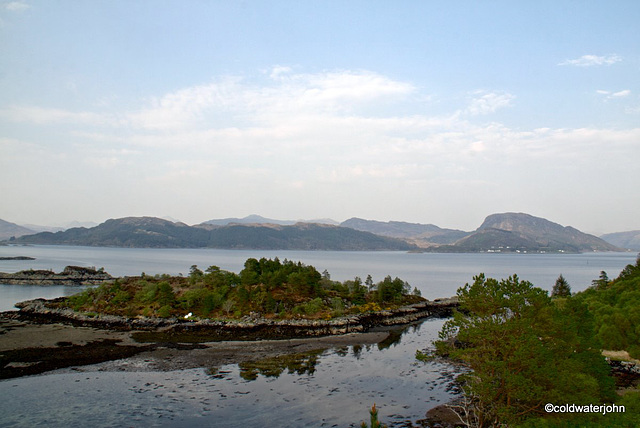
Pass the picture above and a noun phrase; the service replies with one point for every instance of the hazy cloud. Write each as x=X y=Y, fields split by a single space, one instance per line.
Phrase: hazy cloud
x=592 y=60
x=17 y=6
x=42 y=116
x=485 y=102
x=286 y=94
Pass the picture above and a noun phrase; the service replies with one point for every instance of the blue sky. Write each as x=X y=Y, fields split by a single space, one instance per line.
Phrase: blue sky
x=430 y=112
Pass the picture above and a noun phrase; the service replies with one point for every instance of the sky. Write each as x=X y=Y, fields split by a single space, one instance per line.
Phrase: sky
x=440 y=112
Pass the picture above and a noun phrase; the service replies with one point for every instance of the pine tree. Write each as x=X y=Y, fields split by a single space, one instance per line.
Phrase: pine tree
x=561 y=288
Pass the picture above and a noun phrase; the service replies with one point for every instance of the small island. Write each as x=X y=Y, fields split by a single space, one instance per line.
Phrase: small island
x=71 y=275
x=268 y=299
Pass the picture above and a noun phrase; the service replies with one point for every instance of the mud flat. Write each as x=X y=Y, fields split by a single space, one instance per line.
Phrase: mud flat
x=37 y=338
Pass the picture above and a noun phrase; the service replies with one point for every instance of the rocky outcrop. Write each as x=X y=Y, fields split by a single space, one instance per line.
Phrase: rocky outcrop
x=71 y=275
x=256 y=328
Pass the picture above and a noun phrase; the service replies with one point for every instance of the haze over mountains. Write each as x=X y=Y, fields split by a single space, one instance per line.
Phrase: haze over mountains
x=505 y=232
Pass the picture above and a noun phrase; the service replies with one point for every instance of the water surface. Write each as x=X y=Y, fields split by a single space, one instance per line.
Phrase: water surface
x=330 y=388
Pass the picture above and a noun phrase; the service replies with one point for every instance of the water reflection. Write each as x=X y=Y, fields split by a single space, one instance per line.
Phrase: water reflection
x=300 y=364
x=335 y=387
x=304 y=363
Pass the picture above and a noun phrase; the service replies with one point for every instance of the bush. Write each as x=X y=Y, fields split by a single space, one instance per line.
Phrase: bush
x=164 y=312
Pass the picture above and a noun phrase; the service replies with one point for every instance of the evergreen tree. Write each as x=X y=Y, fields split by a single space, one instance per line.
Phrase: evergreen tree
x=561 y=288
x=524 y=351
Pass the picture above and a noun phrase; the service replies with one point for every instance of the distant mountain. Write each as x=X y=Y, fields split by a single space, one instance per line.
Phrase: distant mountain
x=8 y=230
x=524 y=232
x=302 y=236
x=630 y=240
x=151 y=232
x=250 y=219
x=40 y=228
x=125 y=232
x=423 y=235
x=257 y=219
x=77 y=223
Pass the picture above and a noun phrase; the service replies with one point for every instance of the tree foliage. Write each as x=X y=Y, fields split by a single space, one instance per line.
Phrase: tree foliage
x=524 y=349
x=561 y=288
x=268 y=287
x=615 y=306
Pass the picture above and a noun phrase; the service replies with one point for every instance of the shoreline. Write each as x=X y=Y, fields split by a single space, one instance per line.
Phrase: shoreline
x=254 y=328
x=28 y=348
x=37 y=339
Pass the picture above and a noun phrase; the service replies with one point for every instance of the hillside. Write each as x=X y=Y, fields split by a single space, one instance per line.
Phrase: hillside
x=629 y=240
x=257 y=219
x=151 y=232
x=8 y=230
x=524 y=232
x=421 y=234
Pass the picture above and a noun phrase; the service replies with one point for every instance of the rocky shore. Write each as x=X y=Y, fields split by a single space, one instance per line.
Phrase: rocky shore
x=71 y=275
x=249 y=328
x=39 y=338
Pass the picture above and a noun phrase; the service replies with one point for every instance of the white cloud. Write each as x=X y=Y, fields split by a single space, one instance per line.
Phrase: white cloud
x=621 y=94
x=295 y=95
x=613 y=95
x=485 y=102
x=592 y=60
x=17 y=6
x=315 y=135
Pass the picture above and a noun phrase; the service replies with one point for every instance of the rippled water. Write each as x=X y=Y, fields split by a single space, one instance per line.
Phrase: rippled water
x=335 y=387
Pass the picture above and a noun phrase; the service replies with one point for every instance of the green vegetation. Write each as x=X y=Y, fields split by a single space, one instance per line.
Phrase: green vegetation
x=375 y=423
x=267 y=287
x=526 y=349
x=615 y=306
x=561 y=288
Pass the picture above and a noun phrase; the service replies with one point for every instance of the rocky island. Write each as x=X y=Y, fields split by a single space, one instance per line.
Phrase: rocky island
x=71 y=275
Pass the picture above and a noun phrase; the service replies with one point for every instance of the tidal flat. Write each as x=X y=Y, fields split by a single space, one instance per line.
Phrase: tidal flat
x=329 y=381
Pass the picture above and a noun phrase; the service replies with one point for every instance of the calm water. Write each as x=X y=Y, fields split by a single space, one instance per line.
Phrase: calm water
x=333 y=388
x=435 y=275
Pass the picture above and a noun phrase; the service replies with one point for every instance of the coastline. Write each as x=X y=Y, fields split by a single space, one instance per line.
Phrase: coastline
x=38 y=339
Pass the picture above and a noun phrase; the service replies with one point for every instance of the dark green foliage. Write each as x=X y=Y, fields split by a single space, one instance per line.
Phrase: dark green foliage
x=602 y=281
x=561 y=288
x=630 y=418
x=615 y=306
x=525 y=350
x=267 y=287
x=391 y=290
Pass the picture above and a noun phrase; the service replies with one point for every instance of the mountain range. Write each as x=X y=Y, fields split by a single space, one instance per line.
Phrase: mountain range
x=152 y=232
x=505 y=232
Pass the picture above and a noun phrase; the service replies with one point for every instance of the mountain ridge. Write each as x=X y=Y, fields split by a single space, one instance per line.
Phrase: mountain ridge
x=523 y=232
x=629 y=239
x=153 y=232
x=500 y=232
